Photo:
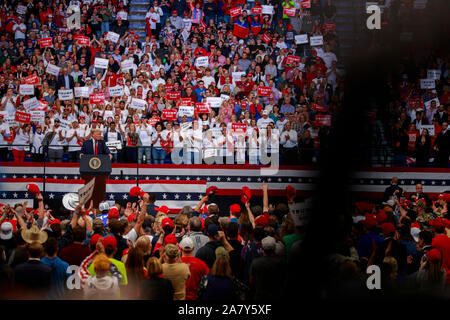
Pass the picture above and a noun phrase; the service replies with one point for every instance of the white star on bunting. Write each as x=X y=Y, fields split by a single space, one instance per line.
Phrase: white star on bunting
x=188 y=197
x=177 y=196
x=15 y=195
x=125 y=197
x=164 y=196
x=51 y=196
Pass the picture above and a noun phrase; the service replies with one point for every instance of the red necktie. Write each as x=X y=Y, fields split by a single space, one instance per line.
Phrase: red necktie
x=96 y=147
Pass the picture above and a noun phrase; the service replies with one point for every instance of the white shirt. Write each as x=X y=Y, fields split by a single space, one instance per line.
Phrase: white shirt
x=157 y=82
x=10 y=107
x=145 y=134
x=328 y=58
x=262 y=123
x=56 y=143
x=73 y=144
x=18 y=33
x=292 y=141
x=21 y=139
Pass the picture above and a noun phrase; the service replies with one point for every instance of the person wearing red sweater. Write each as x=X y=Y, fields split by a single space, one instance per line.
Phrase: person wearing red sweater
x=442 y=242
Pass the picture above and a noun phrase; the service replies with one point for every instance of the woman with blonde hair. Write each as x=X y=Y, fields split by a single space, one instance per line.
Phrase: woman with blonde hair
x=156 y=287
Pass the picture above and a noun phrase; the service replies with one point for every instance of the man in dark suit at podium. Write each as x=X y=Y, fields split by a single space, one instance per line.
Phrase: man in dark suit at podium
x=96 y=145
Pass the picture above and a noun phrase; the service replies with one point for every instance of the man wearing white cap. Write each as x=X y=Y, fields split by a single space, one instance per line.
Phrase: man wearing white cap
x=197 y=268
x=264 y=120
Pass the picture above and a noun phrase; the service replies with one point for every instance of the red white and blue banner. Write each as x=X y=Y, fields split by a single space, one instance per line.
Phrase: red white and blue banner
x=178 y=185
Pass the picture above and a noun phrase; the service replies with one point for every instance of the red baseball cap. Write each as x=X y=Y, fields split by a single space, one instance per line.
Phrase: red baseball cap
x=131 y=217
x=369 y=222
x=34 y=189
x=110 y=242
x=434 y=255
x=437 y=223
x=136 y=192
x=388 y=228
x=175 y=11
x=246 y=195
x=166 y=222
x=113 y=213
x=170 y=238
x=290 y=190
x=55 y=221
x=211 y=190
x=381 y=217
x=262 y=220
x=164 y=209
x=235 y=208
x=94 y=239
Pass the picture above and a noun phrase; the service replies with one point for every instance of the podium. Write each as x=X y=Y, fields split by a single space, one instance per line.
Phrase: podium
x=98 y=167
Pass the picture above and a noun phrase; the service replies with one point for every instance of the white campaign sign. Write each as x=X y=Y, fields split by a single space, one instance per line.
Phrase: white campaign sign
x=107 y=114
x=214 y=102
x=427 y=84
x=202 y=62
x=216 y=132
x=185 y=111
x=116 y=91
x=37 y=115
x=429 y=127
x=116 y=144
x=185 y=126
x=434 y=74
x=65 y=94
x=53 y=70
x=85 y=192
x=114 y=37
x=185 y=34
x=301 y=213
x=127 y=64
x=224 y=96
x=11 y=121
x=26 y=89
x=301 y=38
x=139 y=104
x=267 y=10
x=101 y=63
x=237 y=75
x=31 y=104
x=427 y=104
x=123 y=15
x=316 y=41
x=81 y=92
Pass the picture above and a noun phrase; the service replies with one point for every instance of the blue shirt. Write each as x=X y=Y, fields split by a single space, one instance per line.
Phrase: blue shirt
x=364 y=245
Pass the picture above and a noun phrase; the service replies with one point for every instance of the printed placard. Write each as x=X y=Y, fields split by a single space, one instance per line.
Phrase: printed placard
x=116 y=91
x=316 y=41
x=169 y=87
x=415 y=103
x=237 y=76
x=187 y=111
x=202 y=62
x=301 y=39
x=64 y=95
x=318 y=107
x=114 y=144
x=82 y=40
x=216 y=132
x=107 y=114
x=22 y=117
x=11 y=121
x=434 y=74
x=21 y=9
x=112 y=36
x=33 y=79
x=235 y=12
x=127 y=64
x=301 y=213
x=266 y=38
x=45 y=42
x=96 y=98
x=290 y=12
x=225 y=96
x=86 y=191
x=37 y=115
x=331 y=26
x=139 y=104
x=264 y=91
x=186 y=101
x=291 y=59
x=169 y=114
x=65 y=124
x=305 y=4
x=427 y=83
x=420 y=4
x=185 y=34
x=173 y=95
x=239 y=128
x=31 y=104
x=267 y=10
x=203 y=108
x=153 y=121
x=81 y=92
x=26 y=89
x=429 y=127
x=101 y=63
x=214 y=102
x=256 y=10
x=185 y=126
x=123 y=15
x=53 y=70
x=323 y=120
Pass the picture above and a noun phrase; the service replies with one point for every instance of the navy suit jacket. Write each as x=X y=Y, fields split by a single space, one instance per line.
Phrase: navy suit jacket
x=33 y=274
x=88 y=147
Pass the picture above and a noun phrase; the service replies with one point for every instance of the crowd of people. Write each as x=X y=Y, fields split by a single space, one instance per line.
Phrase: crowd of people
x=241 y=252
x=406 y=235
x=257 y=92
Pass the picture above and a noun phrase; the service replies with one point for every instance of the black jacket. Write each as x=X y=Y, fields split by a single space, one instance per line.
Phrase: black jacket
x=157 y=288
x=390 y=191
x=207 y=253
x=398 y=251
x=62 y=83
x=34 y=277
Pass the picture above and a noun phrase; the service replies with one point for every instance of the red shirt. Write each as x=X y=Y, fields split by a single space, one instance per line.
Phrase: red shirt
x=198 y=269
x=74 y=254
x=442 y=243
